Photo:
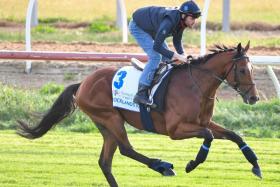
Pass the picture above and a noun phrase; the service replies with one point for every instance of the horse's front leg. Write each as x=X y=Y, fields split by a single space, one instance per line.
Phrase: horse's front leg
x=189 y=130
x=222 y=133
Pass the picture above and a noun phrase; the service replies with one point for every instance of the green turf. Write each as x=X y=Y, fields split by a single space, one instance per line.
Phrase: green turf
x=86 y=10
x=70 y=159
x=190 y=38
x=52 y=12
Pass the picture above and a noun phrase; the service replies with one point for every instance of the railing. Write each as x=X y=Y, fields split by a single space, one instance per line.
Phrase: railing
x=90 y=56
x=122 y=57
x=73 y=56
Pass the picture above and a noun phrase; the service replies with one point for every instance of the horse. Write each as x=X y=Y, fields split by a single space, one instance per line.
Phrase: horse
x=190 y=100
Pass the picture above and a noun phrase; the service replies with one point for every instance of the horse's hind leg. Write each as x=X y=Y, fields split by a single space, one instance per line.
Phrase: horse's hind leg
x=119 y=132
x=107 y=153
x=222 y=133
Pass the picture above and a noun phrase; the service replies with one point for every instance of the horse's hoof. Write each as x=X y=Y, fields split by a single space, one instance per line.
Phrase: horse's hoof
x=168 y=172
x=257 y=172
x=190 y=166
x=164 y=168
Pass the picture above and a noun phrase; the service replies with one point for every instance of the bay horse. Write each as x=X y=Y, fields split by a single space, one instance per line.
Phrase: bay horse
x=188 y=111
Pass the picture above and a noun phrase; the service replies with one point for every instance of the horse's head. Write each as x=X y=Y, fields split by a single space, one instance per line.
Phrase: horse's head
x=239 y=74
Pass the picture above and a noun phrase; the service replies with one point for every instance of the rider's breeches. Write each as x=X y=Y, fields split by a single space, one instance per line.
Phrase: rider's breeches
x=146 y=42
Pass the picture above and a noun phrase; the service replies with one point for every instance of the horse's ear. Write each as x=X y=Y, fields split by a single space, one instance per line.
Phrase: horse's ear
x=247 y=46
x=239 y=48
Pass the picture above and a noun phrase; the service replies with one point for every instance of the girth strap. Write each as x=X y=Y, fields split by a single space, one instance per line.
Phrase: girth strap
x=146 y=118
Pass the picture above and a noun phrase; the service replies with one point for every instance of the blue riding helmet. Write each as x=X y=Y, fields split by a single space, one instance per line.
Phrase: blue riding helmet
x=190 y=8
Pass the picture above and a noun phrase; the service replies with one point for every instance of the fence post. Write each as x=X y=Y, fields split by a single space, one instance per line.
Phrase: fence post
x=122 y=19
x=274 y=80
x=31 y=21
x=226 y=16
x=203 y=28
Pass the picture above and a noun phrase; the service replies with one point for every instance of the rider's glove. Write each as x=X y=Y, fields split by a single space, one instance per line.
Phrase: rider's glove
x=179 y=59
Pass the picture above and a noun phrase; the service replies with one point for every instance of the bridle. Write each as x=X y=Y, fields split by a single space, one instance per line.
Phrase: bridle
x=235 y=85
x=237 y=82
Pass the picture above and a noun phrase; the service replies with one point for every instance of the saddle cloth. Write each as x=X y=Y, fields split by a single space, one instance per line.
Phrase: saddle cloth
x=125 y=86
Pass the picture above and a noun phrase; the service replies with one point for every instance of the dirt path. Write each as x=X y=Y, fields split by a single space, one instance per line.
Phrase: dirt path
x=12 y=72
x=112 y=48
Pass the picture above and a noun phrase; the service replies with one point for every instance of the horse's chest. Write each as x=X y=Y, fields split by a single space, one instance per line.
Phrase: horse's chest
x=206 y=113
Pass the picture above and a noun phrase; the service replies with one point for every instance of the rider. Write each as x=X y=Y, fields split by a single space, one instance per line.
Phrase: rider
x=150 y=26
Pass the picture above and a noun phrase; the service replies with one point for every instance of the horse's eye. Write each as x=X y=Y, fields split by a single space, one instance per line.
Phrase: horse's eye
x=242 y=71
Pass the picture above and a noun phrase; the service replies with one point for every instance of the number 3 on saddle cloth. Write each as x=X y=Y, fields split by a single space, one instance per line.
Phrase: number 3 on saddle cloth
x=125 y=86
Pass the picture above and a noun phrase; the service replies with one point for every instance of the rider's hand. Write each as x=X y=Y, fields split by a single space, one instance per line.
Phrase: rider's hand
x=179 y=59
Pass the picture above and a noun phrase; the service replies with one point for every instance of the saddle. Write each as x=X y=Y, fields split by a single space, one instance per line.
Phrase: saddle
x=162 y=69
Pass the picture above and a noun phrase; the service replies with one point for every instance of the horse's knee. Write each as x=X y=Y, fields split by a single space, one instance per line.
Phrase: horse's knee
x=208 y=135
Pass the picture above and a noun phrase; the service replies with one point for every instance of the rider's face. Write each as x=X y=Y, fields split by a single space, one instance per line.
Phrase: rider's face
x=190 y=21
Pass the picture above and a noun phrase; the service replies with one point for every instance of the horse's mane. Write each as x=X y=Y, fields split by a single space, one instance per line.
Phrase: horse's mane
x=217 y=50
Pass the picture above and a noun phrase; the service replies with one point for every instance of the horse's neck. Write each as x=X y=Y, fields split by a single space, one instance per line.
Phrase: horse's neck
x=214 y=68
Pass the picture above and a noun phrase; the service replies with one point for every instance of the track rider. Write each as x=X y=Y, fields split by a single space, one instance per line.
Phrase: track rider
x=150 y=26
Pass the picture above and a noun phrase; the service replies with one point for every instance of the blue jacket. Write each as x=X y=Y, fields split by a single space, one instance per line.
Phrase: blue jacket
x=160 y=23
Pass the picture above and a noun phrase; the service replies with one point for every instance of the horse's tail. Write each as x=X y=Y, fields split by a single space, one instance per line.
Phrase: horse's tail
x=62 y=107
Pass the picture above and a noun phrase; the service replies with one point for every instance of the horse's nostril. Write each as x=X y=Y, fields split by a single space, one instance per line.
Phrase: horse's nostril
x=254 y=98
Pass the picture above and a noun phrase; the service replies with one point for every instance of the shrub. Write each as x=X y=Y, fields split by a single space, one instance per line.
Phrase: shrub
x=69 y=76
x=260 y=120
x=51 y=88
x=102 y=25
x=46 y=29
x=53 y=20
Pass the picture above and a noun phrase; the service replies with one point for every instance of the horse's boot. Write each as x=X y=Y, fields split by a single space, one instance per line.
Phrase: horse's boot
x=142 y=96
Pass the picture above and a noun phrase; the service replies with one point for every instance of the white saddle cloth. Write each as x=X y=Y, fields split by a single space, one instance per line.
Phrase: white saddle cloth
x=125 y=86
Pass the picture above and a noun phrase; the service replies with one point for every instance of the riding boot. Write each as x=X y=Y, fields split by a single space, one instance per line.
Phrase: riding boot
x=142 y=96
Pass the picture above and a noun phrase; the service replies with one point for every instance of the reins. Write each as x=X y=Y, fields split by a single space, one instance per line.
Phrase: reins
x=222 y=79
x=196 y=84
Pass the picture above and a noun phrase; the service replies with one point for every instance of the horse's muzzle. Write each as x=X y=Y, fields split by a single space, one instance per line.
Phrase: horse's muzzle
x=251 y=99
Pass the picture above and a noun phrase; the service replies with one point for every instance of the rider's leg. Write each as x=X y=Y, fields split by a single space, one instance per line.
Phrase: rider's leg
x=146 y=79
x=146 y=42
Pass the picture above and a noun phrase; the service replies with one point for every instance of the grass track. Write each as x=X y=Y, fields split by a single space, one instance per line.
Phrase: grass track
x=87 y=10
x=70 y=159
